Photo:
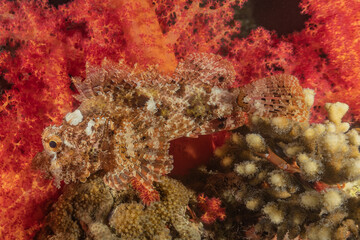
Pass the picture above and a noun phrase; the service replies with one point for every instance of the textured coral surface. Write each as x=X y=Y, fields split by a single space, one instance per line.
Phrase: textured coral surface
x=92 y=210
x=43 y=44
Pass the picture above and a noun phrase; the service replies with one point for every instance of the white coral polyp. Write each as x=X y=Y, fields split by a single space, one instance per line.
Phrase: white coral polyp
x=332 y=200
x=278 y=180
x=246 y=168
x=274 y=213
x=352 y=168
x=256 y=142
x=310 y=199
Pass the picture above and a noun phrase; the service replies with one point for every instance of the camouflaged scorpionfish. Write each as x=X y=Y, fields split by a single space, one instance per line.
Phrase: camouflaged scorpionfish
x=127 y=118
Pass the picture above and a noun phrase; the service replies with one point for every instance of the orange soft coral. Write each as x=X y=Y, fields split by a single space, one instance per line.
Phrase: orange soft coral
x=197 y=26
x=141 y=28
x=333 y=34
x=211 y=208
x=127 y=29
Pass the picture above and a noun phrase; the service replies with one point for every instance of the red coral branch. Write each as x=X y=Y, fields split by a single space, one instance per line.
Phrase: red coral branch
x=211 y=208
x=40 y=48
x=146 y=193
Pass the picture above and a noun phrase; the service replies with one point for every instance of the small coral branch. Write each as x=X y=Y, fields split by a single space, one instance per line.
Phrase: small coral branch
x=211 y=208
x=6 y=102
x=294 y=168
x=146 y=194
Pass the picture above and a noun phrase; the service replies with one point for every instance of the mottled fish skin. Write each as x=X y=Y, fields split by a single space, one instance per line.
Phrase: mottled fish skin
x=127 y=118
x=274 y=96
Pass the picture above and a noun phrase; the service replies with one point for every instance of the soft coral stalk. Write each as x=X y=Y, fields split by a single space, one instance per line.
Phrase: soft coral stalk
x=141 y=28
x=117 y=28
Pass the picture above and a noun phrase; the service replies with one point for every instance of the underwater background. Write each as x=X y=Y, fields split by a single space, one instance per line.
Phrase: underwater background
x=272 y=177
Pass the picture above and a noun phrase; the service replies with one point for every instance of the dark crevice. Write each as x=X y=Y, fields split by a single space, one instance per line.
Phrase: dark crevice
x=56 y=3
x=283 y=16
x=4 y=85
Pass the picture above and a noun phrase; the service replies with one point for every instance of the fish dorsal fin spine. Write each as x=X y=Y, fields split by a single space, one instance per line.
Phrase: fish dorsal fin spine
x=100 y=78
x=206 y=69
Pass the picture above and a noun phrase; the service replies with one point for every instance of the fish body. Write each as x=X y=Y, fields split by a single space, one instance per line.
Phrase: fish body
x=127 y=118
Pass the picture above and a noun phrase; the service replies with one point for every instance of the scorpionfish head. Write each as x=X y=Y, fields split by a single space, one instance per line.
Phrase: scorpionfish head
x=72 y=151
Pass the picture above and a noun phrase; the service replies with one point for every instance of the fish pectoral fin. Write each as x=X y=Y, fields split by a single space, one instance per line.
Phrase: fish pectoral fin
x=117 y=180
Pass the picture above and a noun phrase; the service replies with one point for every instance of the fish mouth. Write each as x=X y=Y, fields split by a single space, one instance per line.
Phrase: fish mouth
x=41 y=162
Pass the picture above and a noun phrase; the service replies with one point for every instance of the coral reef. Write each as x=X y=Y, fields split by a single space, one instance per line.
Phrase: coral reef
x=45 y=43
x=277 y=176
x=92 y=210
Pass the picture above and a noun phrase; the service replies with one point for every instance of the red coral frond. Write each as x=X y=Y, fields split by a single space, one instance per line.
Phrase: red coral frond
x=201 y=198
x=146 y=194
x=212 y=209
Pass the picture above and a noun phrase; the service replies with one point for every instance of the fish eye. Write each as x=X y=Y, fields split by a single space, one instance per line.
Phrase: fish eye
x=52 y=144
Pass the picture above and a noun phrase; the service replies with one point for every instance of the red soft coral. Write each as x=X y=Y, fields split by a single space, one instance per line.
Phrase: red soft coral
x=333 y=33
x=197 y=26
x=40 y=95
x=211 y=209
x=147 y=194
